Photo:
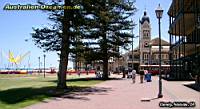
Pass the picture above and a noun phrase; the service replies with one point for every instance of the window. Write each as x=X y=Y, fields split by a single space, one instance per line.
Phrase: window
x=163 y=56
x=130 y=56
x=166 y=56
x=145 y=33
x=156 y=56
x=145 y=56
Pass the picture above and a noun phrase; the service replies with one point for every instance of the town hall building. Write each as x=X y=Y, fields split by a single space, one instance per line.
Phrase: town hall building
x=147 y=53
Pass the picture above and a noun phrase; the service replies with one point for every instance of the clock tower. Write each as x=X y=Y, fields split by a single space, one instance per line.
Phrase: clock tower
x=145 y=38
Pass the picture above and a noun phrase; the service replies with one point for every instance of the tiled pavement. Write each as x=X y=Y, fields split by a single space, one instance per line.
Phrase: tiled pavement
x=123 y=94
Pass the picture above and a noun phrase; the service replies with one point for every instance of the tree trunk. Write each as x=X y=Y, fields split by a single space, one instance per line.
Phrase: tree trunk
x=64 y=51
x=62 y=69
x=63 y=64
x=105 y=69
x=105 y=58
x=124 y=73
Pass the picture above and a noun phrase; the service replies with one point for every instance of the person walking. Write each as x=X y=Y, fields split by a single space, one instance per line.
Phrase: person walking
x=148 y=76
x=141 y=76
x=145 y=74
x=133 y=75
x=79 y=73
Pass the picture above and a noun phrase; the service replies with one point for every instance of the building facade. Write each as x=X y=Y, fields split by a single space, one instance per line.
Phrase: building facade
x=145 y=38
x=184 y=32
x=147 y=53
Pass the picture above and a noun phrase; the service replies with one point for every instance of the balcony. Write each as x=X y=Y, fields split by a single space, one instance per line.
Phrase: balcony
x=191 y=40
x=179 y=28
x=186 y=6
x=182 y=13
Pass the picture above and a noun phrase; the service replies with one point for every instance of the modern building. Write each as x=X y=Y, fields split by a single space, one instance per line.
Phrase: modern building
x=184 y=36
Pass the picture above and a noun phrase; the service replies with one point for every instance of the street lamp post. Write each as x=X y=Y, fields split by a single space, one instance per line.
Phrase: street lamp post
x=44 y=65
x=159 y=13
x=132 y=65
x=39 y=66
x=149 y=55
x=132 y=52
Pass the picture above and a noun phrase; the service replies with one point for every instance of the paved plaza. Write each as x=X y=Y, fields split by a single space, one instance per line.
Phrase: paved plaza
x=123 y=94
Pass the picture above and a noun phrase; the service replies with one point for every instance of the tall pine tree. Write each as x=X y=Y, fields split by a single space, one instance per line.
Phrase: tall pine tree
x=110 y=27
x=61 y=35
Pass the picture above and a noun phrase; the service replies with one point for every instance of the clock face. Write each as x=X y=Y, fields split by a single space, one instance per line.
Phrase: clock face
x=146 y=44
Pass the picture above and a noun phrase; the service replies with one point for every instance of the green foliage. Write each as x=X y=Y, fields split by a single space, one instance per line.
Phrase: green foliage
x=102 y=26
x=110 y=25
x=62 y=35
x=94 y=21
x=49 y=38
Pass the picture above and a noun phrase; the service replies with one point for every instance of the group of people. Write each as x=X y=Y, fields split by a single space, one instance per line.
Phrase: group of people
x=144 y=75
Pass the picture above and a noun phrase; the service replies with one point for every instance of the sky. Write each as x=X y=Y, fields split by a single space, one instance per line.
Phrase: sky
x=16 y=27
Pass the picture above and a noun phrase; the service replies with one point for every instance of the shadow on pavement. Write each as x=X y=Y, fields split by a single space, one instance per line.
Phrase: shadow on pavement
x=148 y=99
x=193 y=86
x=92 y=78
x=85 y=79
x=81 y=93
x=17 y=95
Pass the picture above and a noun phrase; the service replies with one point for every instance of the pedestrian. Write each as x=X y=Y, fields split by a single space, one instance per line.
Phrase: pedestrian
x=123 y=72
x=148 y=76
x=133 y=75
x=145 y=74
x=141 y=76
x=79 y=73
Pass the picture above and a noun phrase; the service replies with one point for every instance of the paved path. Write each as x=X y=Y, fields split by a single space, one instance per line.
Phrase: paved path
x=123 y=94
